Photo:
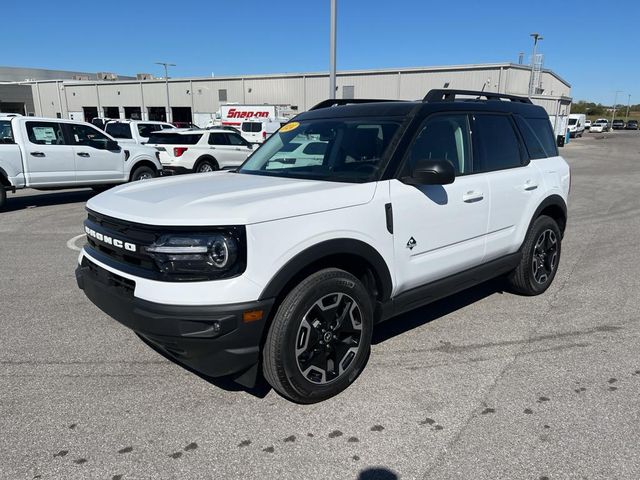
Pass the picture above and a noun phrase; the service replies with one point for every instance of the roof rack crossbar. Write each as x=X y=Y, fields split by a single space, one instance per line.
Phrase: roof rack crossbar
x=449 y=95
x=334 y=102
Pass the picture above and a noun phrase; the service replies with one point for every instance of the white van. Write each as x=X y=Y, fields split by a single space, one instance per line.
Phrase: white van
x=577 y=123
x=257 y=131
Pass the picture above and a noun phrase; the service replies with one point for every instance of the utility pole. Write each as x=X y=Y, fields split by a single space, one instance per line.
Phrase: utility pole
x=626 y=117
x=536 y=37
x=166 y=83
x=613 y=116
x=332 y=50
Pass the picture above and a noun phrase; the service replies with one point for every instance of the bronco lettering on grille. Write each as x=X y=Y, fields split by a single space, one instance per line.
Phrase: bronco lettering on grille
x=110 y=240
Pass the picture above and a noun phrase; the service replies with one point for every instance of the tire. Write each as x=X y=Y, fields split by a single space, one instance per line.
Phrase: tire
x=205 y=165
x=143 y=173
x=297 y=362
x=540 y=258
x=3 y=197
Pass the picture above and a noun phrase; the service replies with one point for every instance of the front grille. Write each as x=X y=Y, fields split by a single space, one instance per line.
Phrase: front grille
x=121 y=234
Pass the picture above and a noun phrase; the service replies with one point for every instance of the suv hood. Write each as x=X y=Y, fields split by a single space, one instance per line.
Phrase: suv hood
x=225 y=198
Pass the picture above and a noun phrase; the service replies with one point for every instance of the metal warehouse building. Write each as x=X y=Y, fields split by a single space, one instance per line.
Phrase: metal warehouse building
x=197 y=99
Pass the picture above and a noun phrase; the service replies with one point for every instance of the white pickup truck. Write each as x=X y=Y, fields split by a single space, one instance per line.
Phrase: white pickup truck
x=45 y=153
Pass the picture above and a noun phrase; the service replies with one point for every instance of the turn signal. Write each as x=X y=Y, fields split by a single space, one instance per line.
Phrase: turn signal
x=252 y=316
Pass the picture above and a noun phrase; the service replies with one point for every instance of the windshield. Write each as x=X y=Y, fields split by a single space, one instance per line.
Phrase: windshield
x=344 y=150
x=572 y=121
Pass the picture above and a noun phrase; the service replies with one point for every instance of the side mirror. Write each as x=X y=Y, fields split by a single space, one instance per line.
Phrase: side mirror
x=431 y=172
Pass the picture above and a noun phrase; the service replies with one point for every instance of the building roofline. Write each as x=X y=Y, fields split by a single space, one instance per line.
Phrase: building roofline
x=341 y=73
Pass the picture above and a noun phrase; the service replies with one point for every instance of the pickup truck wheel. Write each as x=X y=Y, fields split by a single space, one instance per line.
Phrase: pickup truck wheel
x=3 y=197
x=320 y=337
x=143 y=173
x=206 y=165
x=540 y=258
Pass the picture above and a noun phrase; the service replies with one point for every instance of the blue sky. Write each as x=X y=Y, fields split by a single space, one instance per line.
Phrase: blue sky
x=594 y=47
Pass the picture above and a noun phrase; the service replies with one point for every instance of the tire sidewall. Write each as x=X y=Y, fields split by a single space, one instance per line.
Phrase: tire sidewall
x=293 y=316
x=139 y=170
x=3 y=198
x=541 y=224
x=206 y=160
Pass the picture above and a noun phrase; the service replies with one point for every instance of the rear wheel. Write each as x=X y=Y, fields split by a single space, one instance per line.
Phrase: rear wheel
x=320 y=337
x=3 y=197
x=206 y=165
x=540 y=258
x=143 y=173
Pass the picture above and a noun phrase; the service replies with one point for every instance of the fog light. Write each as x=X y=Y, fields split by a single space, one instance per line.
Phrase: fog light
x=215 y=326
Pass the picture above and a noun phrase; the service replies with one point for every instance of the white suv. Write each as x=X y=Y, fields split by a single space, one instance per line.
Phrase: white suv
x=284 y=266
x=185 y=151
x=134 y=131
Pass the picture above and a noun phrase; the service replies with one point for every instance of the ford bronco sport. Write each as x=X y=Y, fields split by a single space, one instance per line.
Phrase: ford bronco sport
x=352 y=213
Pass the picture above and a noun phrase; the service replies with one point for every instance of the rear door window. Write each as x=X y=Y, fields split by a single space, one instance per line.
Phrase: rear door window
x=252 y=127
x=45 y=133
x=216 y=138
x=496 y=143
x=118 y=130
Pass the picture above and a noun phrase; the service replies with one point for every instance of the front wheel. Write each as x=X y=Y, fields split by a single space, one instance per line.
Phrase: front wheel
x=540 y=258
x=320 y=337
x=143 y=173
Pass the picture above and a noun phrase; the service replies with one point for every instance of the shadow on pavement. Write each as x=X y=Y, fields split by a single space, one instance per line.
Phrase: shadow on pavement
x=46 y=198
x=377 y=473
x=416 y=318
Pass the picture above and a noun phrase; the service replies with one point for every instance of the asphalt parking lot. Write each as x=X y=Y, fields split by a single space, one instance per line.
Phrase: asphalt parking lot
x=482 y=385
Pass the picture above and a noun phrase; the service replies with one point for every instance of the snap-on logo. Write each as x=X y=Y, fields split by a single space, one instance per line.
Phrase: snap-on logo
x=233 y=113
x=110 y=240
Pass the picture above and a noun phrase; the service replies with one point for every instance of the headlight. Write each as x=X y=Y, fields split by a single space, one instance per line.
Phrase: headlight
x=208 y=255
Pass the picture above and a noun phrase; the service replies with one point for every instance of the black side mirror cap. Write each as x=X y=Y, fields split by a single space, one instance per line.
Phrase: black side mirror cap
x=431 y=172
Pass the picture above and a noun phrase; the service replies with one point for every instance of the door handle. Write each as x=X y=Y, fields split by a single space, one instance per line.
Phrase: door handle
x=472 y=197
x=38 y=154
x=529 y=186
x=83 y=154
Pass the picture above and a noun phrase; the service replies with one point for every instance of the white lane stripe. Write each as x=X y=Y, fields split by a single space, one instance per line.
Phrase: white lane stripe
x=71 y=244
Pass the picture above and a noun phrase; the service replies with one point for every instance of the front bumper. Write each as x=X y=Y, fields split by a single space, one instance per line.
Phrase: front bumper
x=213 y=340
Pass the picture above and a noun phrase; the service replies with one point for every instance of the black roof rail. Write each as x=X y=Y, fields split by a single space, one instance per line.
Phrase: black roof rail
x=334 y=102
x=449 y=95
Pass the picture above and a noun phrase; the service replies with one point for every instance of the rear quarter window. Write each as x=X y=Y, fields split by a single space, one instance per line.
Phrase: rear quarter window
x=6 y=133
x=544 y=132
x=531 y=141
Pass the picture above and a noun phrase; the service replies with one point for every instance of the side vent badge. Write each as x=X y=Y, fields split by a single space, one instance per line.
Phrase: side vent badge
x=411 y=243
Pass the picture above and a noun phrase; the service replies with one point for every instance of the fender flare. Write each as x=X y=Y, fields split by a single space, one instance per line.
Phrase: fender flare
x=339 y=246
x=554 y=200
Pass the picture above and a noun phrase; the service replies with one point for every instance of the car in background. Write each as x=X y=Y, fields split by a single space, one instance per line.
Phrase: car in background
x=631 y=125
x=600 y=125
x=134 y=131
x=618 y=124
x=576 y=124
x=257 y=131
x=587 y=124
x=199 y=151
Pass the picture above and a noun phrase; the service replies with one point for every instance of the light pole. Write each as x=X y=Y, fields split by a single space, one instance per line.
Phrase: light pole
x=536 y=37
x=613 y=116
x=332 y=50
x=166 y=83
x=626 y=117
